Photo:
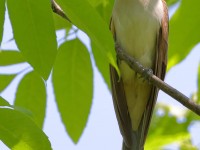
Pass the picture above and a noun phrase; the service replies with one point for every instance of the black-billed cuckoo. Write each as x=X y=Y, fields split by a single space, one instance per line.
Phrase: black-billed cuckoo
x=140 y=27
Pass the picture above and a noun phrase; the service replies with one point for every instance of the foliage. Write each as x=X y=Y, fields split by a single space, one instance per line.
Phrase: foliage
x=198 y=84
x=28 y=99
x=187 y=22
x=2 y=14
x=34 y=27
x=65 y=69
x=18 y=131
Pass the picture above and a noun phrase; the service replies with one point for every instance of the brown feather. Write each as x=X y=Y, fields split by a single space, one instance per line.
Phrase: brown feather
x=120 y=106
x=119 y=100
x=160 y=66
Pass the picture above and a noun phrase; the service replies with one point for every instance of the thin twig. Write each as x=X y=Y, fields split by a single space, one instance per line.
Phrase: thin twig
x=135 y=65
x=57 y=9
x=144 y=71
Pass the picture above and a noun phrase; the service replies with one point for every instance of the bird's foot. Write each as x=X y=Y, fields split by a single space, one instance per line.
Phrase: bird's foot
x=146 y=74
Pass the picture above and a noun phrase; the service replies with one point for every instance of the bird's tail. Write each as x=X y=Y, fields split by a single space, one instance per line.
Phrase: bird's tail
x=139 y=136
x=137 y=142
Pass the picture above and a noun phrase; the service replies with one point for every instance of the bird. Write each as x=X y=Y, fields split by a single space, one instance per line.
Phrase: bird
x=140 y=28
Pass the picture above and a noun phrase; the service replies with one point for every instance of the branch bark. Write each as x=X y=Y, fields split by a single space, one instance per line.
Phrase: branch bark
x=148 y=75
x=144 y=72
x=57 y=9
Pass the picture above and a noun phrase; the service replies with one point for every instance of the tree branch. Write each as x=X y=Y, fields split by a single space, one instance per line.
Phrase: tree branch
x=57 y=9
x=144 y=72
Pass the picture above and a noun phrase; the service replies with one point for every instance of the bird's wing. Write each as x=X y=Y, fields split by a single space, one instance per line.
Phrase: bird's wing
x=159 y=71
x=119 y=100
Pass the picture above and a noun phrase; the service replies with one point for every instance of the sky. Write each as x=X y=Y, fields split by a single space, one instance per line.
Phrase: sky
x=102 y=132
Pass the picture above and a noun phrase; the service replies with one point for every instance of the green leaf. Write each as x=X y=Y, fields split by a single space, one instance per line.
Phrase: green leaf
x=156 y=142
x=105 y=10
x=101 y=64
x=73 y=86
x=94 y=3
x=171 y=2
x=162 y=127
x=61 y=23
x=19 y=132
x=2 y=15
x=3 y=102
x=31 y=95
x=198 y=78
x=191 y=116
x=166 y=121
x=34 y=32
x=5 y=80
x=187 y=145
x=10 y=57
x=86 y=18
x=184 y=31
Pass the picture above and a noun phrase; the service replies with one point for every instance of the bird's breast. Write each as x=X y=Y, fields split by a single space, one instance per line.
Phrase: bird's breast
x=137 y=23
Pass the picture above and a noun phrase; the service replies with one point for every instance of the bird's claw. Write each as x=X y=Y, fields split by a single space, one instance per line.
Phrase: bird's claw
x=146 y=73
